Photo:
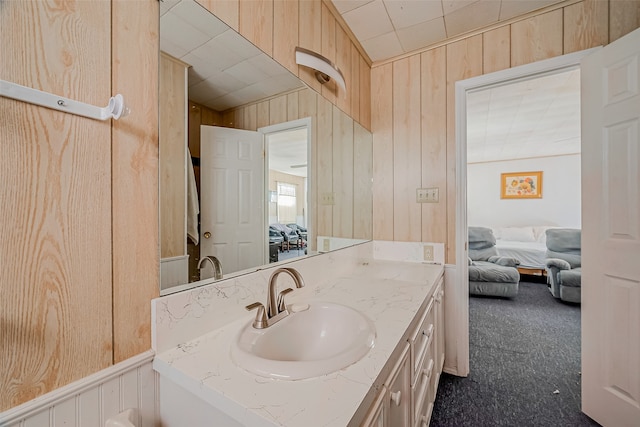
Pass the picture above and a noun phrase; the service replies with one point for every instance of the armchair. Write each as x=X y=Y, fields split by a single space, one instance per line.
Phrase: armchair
x=289 y=235
x=302 y=231
x=490 y=274
x=563 y=264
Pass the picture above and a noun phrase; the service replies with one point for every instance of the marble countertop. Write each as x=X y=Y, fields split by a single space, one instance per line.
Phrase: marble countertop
x=389 y=293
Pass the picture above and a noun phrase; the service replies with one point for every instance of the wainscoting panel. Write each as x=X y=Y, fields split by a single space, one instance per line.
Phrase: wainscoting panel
x=96 y=398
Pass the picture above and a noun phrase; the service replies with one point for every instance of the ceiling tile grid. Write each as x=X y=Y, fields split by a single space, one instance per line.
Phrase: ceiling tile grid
x=389 y=28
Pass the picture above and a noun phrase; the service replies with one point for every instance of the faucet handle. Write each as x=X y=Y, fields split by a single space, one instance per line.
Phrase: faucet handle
x=281 y=304
x=261 y=317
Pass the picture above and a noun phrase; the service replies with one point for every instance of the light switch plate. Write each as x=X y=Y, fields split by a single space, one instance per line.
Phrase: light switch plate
x=427 y=195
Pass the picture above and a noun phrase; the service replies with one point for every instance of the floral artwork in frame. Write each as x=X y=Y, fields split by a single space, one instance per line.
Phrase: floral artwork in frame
x=521 y=185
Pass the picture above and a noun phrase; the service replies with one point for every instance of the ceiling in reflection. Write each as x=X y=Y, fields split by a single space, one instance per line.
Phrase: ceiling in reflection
x=226 y=70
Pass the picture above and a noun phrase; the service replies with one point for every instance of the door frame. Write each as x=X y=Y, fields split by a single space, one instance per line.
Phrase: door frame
x=461 y=282
x=304 y=122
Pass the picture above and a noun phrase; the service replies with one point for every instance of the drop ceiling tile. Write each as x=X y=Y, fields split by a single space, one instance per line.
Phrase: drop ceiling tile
x=246 y=72
x=268 y=65
x=167 y=46
x=166 y=5
x=369 y=21
x=224 y=102
x=239 y=45
x=218 y=55
x=383 y=47
x=194 y=77
x=423 y=34
x=475 y=15
x=346 y=5
x=202 y=68
x=449 y=6
x=180 y=33
x=206 y=90
x=225 y=81
x=200 y=18
x=405 y=14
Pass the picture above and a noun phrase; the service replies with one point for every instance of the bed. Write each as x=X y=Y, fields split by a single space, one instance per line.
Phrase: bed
x=526 y=244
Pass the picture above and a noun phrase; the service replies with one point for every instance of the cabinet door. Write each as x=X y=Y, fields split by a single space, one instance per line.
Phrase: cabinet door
x=439 y=326
x=376 y=417
x=399 y=395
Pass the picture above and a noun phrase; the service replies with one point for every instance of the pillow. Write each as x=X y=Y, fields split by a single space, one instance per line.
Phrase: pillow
x=519 y=234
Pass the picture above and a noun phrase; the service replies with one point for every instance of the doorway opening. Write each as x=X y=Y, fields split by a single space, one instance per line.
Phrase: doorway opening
x=287 y=175
x=463 y=89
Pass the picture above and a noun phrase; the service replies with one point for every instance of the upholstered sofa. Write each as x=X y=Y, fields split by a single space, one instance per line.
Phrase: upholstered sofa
x=564 y=274
x=489 y=273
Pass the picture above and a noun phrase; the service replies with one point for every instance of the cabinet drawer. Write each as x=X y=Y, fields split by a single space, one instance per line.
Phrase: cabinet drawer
x=423 y=388
x=421 y=339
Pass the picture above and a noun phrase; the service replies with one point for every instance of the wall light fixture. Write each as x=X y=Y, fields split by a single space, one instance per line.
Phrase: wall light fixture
x=325 y=69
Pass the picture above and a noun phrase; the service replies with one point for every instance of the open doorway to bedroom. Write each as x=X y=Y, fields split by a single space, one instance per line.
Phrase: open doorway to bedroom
x=523 y=164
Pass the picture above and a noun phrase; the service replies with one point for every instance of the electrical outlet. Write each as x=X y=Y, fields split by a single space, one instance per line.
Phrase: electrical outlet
x=428 y=252
x=326 y=245
x=328 y=198
x=427 y=195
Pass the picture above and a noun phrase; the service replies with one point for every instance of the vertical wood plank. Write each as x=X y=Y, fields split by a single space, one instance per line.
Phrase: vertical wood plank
x=365 y=94
x=172 y=156
x=262 y=114
x=256 y=23
x=434 y=142
x=497 y=49
x=464 y=60
x=55 y=215
x=354 y=88
x=586 y=25
x=310 y=37
x=382 y=127
x=285 y=34
x=307 y=102
x=229 y=119
x=292 y=106
x=227 y=10
x=195 y=120
x=343 y=61
x=362 y=176
x=406 y=149
x=536 y=38
x=343 y=169
x=238 y=118
x=135 y=176
x=329 y=90
x=624 y=17
x=324 y=165
x=251 y=117
x=278 y=110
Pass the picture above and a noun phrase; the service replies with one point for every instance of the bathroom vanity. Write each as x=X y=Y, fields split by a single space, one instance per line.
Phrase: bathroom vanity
x=393 y=384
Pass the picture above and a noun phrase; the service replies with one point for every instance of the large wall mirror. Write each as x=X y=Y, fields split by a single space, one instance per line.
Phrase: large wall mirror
x=231 y=183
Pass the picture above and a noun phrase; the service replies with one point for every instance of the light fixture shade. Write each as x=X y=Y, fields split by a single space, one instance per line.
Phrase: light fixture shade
x=322 y=65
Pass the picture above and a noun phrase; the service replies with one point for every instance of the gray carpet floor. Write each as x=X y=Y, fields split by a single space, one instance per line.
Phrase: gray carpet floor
x=524 y=363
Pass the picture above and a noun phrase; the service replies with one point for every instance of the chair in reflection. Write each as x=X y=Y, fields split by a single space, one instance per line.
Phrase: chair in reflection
x=290 y=236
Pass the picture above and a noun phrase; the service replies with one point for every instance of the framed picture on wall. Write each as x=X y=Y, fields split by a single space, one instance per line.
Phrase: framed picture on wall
x=521 y=185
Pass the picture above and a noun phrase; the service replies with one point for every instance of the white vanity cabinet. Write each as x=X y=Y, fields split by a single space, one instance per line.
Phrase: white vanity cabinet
x=406 y=398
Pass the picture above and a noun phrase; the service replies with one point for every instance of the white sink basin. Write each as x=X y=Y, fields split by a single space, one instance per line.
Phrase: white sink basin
x=322 y=339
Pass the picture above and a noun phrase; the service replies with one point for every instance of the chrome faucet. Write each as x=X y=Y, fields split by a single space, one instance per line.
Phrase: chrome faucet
x=276 y=307
x=215 y=263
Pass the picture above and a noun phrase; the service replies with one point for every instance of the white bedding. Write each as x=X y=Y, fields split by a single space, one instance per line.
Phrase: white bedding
x=530 y=254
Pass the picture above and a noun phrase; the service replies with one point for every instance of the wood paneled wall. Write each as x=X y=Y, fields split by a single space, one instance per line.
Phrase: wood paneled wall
x=278 y=26
x=78 y=218
x=172 y=156
x=342 y=159
x=413 y=111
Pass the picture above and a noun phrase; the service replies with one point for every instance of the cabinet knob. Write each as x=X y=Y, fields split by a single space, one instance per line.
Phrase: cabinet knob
x=396 y=396
x=207 y=234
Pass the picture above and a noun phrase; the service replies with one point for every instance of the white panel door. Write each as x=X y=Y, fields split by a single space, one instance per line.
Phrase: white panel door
x=232 y=197
x=611 y=233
